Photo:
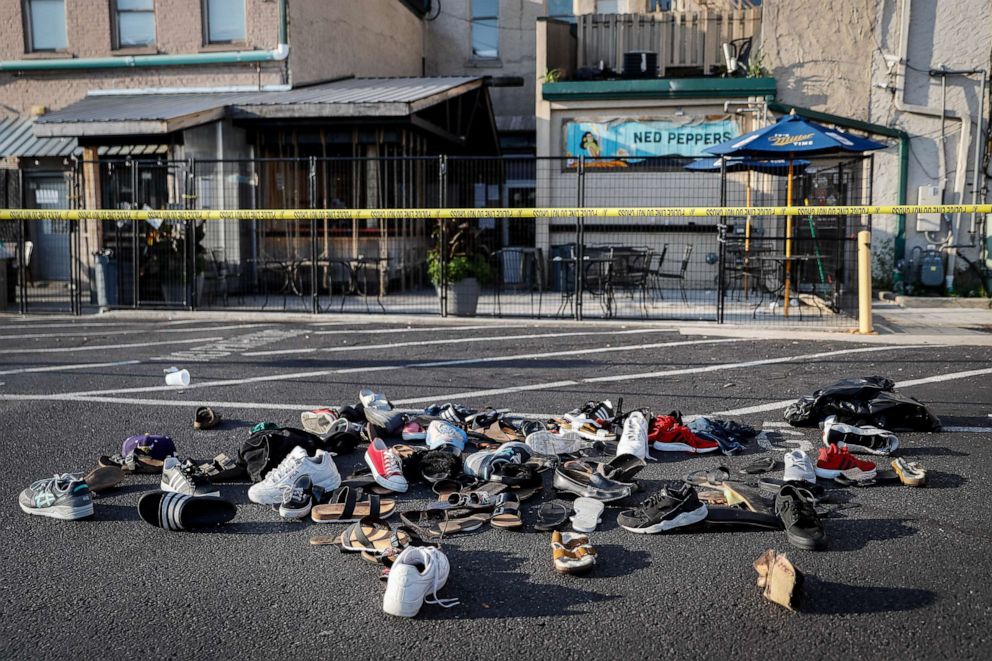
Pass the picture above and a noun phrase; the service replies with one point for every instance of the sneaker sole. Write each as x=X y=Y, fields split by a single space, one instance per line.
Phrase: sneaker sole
x=851 y=473
x=805 y=543
x=684 y=519
x=295 y=513
x=382 y=481
x=681 y=447
x=60 y=511
x=166 y=487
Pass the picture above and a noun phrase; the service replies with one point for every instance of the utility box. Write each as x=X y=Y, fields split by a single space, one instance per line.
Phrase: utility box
x=928 y=222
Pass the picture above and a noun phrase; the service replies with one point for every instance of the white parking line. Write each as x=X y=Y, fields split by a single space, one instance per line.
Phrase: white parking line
x=151 y=328
x=60 y=368
x=98 y=347
x=413 y=329
x=377 y=368
x=782 y=403
x=460 y=340
x=172 y=402
x=655 y=375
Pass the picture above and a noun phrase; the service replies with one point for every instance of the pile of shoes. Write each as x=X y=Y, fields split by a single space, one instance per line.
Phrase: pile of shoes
x=485 y=466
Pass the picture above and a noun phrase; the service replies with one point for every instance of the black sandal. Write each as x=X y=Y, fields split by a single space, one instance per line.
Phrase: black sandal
x=551 y=516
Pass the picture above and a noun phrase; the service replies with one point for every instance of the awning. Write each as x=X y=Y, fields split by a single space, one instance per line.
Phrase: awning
x=18 y=139
x=102 y=114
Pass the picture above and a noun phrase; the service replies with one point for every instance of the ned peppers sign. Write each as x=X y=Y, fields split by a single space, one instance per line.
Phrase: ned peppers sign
x=649 y=138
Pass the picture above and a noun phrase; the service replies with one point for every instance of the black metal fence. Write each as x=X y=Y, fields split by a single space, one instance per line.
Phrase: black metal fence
x=730 y=269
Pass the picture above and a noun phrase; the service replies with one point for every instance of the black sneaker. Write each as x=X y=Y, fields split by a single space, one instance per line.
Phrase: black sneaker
x=794 y=506
x=674 y=506
x=298 y=500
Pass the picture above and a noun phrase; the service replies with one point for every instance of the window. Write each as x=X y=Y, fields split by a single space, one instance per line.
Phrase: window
x=134 y=23
x=659 y=5
x=485 y=28
x=224 y=21
x=607 y=7
x=44 y=25
x=560 y=9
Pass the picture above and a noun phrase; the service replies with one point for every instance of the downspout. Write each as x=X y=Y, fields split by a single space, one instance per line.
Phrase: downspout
x=899 y=246
x=278 y=54
x=966 y=119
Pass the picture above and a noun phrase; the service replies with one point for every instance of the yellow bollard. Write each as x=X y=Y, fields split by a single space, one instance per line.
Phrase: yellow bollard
x=864 y=283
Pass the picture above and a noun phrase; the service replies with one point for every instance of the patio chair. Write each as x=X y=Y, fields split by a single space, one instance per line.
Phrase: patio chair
x=519 y=269
x=630 y=272
x=659 y=275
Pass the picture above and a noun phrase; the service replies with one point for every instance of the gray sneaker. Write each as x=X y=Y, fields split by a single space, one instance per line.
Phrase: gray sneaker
x=63 y=496
x=185 y=477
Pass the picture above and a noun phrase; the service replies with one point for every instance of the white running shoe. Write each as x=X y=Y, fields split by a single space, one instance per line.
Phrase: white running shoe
x=865 y=439
x=799 y=467
x=634 y=439
x=548 y=443
x=415 y=577
x=321 y=469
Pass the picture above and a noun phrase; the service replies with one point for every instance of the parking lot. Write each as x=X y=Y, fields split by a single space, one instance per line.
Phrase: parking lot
x=906 y=574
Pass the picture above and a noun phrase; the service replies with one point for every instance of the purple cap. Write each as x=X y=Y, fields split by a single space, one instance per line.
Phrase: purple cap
x=156 y=447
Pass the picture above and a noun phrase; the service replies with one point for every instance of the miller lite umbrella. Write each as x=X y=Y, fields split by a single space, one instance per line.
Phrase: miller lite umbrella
x=789 y=137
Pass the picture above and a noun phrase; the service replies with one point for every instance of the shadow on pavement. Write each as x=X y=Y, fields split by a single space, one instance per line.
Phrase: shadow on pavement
x=829 y=598
x=854 y=534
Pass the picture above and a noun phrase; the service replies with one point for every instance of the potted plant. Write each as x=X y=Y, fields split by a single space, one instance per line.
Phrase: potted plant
x=466 y=269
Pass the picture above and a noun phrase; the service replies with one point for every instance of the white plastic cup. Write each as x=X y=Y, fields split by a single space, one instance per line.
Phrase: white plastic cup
x=179 y=378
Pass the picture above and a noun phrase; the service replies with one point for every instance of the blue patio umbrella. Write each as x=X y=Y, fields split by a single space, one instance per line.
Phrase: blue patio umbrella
x=789 y=137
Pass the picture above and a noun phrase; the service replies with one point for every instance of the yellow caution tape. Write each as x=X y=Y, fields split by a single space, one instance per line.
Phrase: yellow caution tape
x=553 y=212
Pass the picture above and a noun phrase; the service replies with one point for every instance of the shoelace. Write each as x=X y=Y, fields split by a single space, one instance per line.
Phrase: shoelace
x=651 y=502
x=192 y=472
x=443 y=603
x=47 y=483
x=394 y=465
x=283 y=470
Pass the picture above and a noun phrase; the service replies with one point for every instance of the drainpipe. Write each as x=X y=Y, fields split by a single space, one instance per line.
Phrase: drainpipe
x=280 y=53
x=899 y=247
x=966 y=119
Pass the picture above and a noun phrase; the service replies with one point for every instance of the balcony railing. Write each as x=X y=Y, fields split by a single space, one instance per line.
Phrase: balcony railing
x=687 y=43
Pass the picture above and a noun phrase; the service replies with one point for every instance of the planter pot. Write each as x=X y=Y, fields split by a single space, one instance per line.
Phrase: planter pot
x=463 y=297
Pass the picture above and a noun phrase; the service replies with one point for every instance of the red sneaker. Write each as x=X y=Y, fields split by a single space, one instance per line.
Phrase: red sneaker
x=833 y=462
x=387 y=469
x=666 y=435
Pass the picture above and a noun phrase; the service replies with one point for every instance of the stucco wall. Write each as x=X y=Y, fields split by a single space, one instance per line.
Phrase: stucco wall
x=331 y=38
x=449 y=48
x=179 y=29
x=843 y=59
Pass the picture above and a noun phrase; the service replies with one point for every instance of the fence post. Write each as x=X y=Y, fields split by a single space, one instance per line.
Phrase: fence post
x=864 y=283
x=312 y=191
x=442 y=249
x=22 y=232
x=721 y=237
x=135 y=281
x=580 y=238
x=189 y=229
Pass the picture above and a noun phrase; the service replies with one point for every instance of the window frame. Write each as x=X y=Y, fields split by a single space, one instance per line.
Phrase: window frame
x=205 y=16
x=28 y=21
x=472 y=21
x=115 y=26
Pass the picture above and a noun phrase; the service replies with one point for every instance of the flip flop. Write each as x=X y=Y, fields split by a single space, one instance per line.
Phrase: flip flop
x=104 y=478
x=709 y=477
x=224 y=469
x=765 y=465
x=507 y=512
x=770 y=486
x=501 y=432
x=205 y=418
x=346 y=506
x=711 y=497
x=587 y=514
x=402 y=537
x=446 y=522
x=621 y=468
x=551 y=516
x=911 y=473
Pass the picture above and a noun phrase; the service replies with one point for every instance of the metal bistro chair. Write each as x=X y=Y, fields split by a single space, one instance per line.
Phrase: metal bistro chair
x=630 y=271
x=519 y=268
x=659 y=275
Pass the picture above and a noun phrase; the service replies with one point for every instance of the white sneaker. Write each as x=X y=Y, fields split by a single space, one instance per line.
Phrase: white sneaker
x=321 y=469
x=185 y=477
x=799 y=467
x=417 y=572
x=865 y=439
x=548 y=443
x=634 y=439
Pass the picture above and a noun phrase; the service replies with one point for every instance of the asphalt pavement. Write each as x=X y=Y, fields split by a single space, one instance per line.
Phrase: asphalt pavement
x=907 y=573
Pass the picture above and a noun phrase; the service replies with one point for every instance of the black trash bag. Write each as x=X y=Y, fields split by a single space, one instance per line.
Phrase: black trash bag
x=869 y=400
x=265 y=449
